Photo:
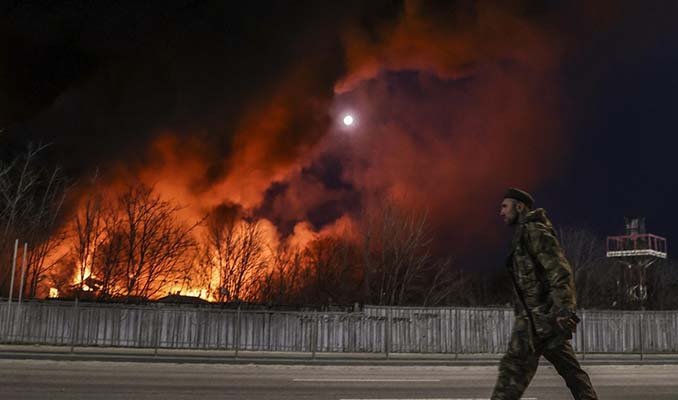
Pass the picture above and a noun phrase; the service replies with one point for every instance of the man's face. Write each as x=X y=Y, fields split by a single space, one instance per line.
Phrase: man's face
x=509 y=211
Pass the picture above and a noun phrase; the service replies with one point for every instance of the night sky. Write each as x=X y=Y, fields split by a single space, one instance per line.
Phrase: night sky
x=224 y=105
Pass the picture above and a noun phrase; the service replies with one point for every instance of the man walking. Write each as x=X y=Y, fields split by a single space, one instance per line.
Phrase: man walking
x=544 y=303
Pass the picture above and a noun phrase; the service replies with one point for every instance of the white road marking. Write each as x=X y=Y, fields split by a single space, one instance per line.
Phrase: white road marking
x=363 y=380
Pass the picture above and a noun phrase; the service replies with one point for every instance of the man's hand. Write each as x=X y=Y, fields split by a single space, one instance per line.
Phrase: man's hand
x=568 y=323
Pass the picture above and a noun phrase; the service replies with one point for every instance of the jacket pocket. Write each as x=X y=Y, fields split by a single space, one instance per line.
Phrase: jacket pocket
x=544 y=323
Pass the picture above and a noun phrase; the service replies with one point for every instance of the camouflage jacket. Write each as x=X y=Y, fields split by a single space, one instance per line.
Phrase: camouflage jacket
x=543 y=279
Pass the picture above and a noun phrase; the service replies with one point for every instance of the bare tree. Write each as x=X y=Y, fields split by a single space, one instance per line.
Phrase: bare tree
x=18 y=180
x=234 y=254
x=663 y=285
x=20 y=177
x=586 y=253
x=89 y=234
x=281 y=283
x=46 y=234
x=331 y=272
x=444 y=283
x=108 y=262
x=398 y=265
x=31 y=202
x=155 y=243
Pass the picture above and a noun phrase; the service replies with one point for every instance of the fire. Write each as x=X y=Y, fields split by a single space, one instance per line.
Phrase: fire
x=202 y=293
x=83 y=273
x=210 y=277
x=53 y=293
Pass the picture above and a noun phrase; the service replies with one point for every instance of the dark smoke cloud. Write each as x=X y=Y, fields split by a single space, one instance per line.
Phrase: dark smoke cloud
x=223 y=104
x=215 y=104
x=103 y=80
x=454 y=105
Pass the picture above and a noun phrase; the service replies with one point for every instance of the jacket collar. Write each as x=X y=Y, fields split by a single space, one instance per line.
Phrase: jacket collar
x=537 y=215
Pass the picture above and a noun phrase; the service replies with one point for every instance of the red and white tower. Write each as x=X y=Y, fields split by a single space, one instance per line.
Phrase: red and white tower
x=636 y=251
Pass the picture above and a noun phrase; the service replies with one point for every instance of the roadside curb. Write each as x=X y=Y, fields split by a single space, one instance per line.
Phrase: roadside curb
x=252 y=359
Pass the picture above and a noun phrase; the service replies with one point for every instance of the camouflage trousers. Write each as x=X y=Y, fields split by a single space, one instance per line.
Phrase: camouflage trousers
x=520 y=362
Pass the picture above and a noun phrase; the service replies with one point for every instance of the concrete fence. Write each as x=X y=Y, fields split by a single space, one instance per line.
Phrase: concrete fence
x=374 y=329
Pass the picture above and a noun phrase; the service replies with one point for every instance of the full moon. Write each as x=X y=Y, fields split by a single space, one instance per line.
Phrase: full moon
x=348 y=120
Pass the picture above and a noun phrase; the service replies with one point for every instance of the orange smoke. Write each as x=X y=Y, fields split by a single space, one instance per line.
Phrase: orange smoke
x=450 y=114
x=483 y=114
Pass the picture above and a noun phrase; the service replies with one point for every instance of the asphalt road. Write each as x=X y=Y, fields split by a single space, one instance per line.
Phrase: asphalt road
x=40 y=379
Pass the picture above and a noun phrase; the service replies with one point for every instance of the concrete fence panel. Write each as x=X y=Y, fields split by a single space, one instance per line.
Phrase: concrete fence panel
x=375 y=329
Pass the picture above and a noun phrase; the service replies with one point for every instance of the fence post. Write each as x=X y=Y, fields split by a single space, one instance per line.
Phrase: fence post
x=10 y=325
x=314 y=333
x=23 y=273
x=640 y=333
x=269 y=346
x=19 y=310
x=441 y=348
x=156 y=327
x=583 y=334
x=76 y=324
x=237 y=333
x=387 y=331
x=457 y=334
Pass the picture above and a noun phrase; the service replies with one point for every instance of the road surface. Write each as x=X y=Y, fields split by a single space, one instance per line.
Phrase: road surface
x=67 y=380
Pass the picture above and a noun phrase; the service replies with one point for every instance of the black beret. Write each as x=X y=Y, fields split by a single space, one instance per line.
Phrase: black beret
x=520 y=195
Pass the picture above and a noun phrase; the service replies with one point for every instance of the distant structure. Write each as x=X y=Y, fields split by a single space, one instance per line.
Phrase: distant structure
x=636 y=251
